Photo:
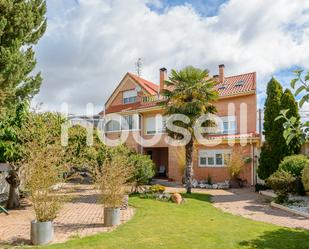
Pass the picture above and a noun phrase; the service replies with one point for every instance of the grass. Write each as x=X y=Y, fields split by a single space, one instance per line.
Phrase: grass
x=195 y=224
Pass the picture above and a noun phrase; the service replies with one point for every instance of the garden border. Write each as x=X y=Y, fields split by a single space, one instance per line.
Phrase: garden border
x=287 y=209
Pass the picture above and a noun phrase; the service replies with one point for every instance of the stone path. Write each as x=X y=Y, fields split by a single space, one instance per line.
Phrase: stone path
x=247 y=203
x=78 y=218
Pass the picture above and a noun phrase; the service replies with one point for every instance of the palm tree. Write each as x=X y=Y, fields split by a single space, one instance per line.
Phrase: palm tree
x=190 y=92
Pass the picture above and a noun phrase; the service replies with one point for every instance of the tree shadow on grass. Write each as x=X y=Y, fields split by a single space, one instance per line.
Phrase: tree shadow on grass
x=279 y=239
x=197 y=196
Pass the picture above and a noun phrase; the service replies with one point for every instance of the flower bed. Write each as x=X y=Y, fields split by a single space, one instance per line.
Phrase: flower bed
x=204 y=184
x=298 y=203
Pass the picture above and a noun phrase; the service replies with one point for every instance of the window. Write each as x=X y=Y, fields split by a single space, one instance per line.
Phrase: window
x=150 y=125
x=132 y=123
x=219 y=159
x=156 y=124
x=240 y=83
x=129 y=120
x=129 y=96
x=228 y=125
x=213 y=158
x=113 y=125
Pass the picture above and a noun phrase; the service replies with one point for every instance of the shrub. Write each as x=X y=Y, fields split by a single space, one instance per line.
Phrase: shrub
x=305 y=177
x=293 y=164
x=260 y=187
x=157 y=188
x=282 y=183
x=143 y=168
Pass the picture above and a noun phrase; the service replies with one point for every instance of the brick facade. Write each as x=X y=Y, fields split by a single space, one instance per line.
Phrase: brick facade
x=231 y=97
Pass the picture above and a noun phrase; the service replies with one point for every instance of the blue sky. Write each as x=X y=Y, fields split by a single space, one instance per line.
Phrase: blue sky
x=90 y=44
x=203 y=7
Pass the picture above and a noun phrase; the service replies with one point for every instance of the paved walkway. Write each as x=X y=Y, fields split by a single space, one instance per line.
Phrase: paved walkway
x=78 y=218
x=247 y=203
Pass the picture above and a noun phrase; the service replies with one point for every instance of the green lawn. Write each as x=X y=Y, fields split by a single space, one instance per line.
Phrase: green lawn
x=195 y=224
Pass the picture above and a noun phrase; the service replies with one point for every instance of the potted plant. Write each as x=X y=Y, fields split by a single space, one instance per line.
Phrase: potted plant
x=113 y=185
x=235 y=165
x=42 y=170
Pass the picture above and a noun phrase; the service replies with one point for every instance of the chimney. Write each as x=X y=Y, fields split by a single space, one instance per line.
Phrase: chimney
x=163 y=77
x=221 y=73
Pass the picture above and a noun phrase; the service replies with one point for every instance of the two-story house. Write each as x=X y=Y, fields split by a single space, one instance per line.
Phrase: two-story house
x=137 y=101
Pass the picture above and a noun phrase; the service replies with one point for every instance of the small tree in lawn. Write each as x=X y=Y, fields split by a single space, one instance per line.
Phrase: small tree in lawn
x=190 y=92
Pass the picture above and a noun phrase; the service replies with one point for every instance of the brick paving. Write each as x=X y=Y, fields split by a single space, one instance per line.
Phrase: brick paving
x=247 y=203
x=82 y=216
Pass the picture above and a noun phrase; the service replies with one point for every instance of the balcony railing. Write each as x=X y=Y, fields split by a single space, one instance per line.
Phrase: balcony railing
x=153 y=98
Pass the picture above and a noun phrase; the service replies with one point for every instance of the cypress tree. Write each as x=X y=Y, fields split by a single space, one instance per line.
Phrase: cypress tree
x=288 y=102
x=275 y=148
x=22 y=23
x=271 y=150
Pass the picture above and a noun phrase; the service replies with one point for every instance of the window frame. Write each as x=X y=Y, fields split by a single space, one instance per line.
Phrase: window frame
x=212 y=154
x=157 y=121
x=231 y=122
x=131 y=98
x=121 y=128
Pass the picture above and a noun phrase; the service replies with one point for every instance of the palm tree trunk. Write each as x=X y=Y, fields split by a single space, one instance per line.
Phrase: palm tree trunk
x=189 y=166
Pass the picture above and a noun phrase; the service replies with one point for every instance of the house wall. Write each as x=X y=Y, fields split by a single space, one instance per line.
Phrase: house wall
x=220 y=174
x=176 y=155
x=176 y=162
x=130 y=142
x=249 y=101
x=127 y=85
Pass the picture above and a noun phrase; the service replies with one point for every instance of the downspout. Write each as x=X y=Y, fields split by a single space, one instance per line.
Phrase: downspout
x=252 y=164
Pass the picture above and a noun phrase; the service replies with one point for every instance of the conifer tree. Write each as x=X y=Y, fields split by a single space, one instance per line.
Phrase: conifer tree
x=275 y=147
x=22 y=24
x=273 y=131
x=288 y=103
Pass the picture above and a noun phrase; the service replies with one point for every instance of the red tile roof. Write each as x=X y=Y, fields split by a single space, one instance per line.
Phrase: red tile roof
x=150 y=87
x=237 y=84
x=233 y=85
x=229 y=87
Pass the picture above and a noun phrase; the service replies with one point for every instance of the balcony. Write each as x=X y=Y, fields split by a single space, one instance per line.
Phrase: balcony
x=153 y=99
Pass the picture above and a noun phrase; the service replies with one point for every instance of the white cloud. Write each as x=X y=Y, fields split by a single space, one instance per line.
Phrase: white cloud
x=89 y=46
